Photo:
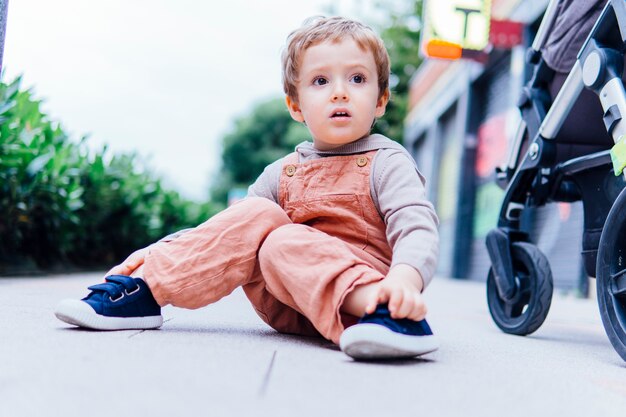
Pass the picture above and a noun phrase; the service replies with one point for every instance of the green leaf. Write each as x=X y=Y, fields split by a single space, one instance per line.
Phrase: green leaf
x=5 y=107
x=37 y=164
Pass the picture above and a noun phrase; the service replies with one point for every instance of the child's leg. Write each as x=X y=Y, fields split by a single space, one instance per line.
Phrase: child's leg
x=356 y=301
x=210 y=261
x=284 y=318
x=312 y=273
x=197 y=268
x=279 y=316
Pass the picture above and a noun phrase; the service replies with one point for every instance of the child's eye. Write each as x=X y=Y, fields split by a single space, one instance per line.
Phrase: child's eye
x=320 y=81
x=358 y=79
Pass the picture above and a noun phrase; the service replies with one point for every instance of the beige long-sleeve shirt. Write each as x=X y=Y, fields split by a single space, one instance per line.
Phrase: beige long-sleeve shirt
x=397 y=190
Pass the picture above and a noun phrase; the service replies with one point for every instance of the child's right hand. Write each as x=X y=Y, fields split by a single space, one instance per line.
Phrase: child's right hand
x=401 y=290
x=130 y=264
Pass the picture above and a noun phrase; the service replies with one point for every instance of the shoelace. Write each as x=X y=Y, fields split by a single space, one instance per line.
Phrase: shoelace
x=116 y=287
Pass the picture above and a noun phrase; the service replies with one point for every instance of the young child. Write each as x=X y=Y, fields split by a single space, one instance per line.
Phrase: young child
x=336 y=239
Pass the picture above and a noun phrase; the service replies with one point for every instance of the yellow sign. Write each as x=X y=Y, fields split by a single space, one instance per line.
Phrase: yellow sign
x=461 y=22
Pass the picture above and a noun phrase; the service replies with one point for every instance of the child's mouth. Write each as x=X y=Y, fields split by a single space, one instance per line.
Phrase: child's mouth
x=340 y=115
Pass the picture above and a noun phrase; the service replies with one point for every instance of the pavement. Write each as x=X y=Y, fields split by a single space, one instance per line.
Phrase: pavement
x=222 y=360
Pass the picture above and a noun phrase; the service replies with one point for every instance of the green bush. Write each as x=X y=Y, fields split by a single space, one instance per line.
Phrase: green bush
x=61 y=204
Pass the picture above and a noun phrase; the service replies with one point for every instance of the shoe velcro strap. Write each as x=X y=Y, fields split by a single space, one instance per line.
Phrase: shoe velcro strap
x=112 y=289
x=127 y=282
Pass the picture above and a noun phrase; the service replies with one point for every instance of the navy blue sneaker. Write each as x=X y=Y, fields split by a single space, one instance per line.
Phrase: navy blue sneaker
x=119 y=303
x=378 y=336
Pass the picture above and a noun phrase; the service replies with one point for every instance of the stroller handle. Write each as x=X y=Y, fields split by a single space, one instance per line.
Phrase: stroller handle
x=545 y=26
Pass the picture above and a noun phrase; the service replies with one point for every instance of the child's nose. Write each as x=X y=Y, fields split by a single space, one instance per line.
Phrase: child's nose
x=340 y=93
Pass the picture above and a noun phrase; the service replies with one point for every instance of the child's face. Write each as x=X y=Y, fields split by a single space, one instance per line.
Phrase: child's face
x=337 y=93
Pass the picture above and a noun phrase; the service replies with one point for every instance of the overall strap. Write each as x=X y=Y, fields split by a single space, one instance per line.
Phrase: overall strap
x=291 y=158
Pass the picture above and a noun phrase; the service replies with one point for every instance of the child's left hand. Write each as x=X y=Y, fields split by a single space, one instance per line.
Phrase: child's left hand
x=130 y=264
x=401 y=289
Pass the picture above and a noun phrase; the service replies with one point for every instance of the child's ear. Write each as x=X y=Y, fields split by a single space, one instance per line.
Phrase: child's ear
x=381 y=105
x=294 y=109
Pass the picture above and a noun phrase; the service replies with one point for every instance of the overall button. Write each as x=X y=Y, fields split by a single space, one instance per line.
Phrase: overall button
x=361 y=161
x=290 y=170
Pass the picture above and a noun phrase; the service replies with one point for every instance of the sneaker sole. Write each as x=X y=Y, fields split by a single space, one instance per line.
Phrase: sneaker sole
x=373 y=341
x=81 y=314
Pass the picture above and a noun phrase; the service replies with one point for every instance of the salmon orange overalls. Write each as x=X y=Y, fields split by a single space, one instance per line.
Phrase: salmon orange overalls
x=296 y=260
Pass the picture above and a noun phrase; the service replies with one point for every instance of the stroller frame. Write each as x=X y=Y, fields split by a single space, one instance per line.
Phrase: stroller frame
x=519 y=285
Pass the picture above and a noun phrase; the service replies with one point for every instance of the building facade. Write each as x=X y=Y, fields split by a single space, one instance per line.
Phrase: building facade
x=463 y=115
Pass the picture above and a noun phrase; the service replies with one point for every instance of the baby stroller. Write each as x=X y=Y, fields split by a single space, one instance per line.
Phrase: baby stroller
x=553 y=162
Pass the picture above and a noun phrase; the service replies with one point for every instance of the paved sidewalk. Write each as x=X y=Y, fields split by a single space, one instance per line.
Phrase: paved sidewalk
x=222 y=360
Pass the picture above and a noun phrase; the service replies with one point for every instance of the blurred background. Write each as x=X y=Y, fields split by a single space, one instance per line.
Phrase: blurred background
x=124 y=121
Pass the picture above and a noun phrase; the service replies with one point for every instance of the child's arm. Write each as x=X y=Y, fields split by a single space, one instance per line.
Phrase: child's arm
x=266 y=185
x=399 y=193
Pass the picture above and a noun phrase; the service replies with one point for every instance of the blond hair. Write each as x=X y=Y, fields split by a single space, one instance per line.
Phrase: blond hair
x=320 y=29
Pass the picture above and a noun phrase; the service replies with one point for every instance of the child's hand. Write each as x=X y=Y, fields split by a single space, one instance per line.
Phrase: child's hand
x=401 y=290
x=130 y=264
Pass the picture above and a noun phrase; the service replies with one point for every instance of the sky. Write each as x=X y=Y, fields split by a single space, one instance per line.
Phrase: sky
x=163 y=78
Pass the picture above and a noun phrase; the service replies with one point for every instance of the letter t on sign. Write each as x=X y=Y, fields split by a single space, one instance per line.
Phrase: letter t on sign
x=466 y=12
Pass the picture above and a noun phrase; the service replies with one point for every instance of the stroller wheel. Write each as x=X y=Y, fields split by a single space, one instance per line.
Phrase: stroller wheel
x=611 y=275
x=527 y=309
